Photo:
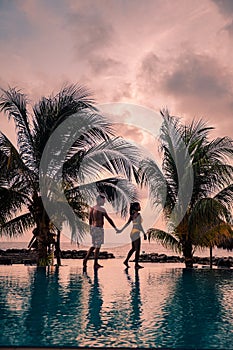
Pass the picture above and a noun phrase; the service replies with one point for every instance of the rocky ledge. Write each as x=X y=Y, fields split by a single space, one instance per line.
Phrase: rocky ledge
x=28 y=257
x=163 y=258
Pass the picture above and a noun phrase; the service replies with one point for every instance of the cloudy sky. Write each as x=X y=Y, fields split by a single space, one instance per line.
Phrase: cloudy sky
x=153 y=53
x=156 y=53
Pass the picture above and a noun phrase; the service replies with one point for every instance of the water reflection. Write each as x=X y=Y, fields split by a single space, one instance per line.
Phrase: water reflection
x=13 y=299
x=192 y=315
x=95 y=305
x=135 y=302
x=54 y=309
x=116 y=308
x=35 y=319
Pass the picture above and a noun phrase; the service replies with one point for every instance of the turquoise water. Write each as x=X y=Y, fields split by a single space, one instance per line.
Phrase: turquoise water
x=163 y=305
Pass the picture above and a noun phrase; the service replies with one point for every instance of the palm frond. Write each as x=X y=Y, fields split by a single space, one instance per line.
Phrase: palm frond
x=196 y=133
x=225 y=196
x=12 y=166
x=177 y=168
x=220 y=148
x=213 y=235
x=80 y=132
x=53 y=111
x=70 y=100
x=14 y=104
x=112 y=157
x=167 y=239
x=226 y=243
x=119 y=192
x=17 y=226
x=151 y=176
x=208 y=211
x=11 y=202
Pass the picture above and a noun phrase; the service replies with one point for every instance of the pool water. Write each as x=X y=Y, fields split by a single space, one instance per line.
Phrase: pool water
x=160 y=306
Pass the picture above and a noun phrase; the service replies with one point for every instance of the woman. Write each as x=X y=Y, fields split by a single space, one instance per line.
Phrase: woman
x=136 y=218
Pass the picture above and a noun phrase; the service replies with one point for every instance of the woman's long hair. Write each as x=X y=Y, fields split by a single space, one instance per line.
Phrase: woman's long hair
x=133 y=208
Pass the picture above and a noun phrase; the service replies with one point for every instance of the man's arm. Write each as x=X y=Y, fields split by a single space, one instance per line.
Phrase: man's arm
x=127 y=224
x=109 y=220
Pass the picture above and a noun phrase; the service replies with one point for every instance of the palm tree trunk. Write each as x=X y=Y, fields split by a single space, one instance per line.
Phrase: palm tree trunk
x=42 y=223
x=58 y=249
x=188 y=254
x=43 y=244
x=43 y=228
x=211 y=257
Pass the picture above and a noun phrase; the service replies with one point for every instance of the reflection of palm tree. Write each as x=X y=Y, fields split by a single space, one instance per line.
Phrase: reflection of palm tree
x=35 y=319
x=54 y=310
x=192 y=315
x=10 y=321
x=135 y=314
x=95 y=304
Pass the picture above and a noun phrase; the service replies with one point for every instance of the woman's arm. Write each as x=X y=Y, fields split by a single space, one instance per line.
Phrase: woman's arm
x=127 y=224
x=142 y=229
x=91 y=217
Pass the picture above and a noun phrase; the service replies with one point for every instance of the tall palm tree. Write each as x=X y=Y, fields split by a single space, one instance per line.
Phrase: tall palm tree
x=198 y=182
x=37 y=185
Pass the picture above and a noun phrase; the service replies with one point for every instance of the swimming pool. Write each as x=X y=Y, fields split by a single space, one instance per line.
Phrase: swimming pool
x=160 y=306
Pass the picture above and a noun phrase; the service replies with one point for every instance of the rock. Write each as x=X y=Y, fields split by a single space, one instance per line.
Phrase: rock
x=5 y=261
x=224 y=262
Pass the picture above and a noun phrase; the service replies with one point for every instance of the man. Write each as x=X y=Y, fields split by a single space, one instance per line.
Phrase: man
x=96 y=222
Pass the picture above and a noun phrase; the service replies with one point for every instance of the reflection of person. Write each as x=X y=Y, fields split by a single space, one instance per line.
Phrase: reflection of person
x=136 y=303
x=95 y=304
x=96 y=222
x=136 y=219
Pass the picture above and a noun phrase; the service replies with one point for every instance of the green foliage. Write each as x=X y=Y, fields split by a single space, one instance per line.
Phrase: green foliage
x=94 y=152
x=205 y=219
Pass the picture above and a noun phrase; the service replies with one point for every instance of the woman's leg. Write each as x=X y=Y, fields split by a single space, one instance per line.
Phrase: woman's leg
x=137 y=245
x=130 y=253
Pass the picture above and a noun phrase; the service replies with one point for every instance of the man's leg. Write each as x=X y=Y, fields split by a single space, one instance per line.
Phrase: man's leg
x=96 y=256
x=87 y=256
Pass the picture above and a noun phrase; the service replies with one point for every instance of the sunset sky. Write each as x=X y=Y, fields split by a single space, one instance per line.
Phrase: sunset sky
x=157 y=53
x=153 y=53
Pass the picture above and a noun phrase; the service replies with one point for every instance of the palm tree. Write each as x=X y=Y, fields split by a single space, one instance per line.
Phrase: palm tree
x=37 y=185
x=198 y=181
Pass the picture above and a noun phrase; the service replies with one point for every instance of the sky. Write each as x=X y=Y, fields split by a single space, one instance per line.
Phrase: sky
x=156 y=53
x=153 y=53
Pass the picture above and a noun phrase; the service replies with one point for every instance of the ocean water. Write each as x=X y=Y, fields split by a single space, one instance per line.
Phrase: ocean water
x=159 y=306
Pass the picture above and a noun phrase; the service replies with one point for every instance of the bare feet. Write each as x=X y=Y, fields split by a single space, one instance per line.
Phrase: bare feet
x=97 y=266
x=139 y=267
x=126 y=264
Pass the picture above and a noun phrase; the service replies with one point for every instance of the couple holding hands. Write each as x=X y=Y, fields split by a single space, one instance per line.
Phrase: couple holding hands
x=96 y=222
